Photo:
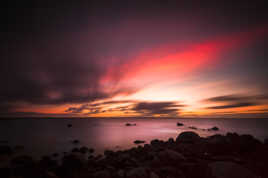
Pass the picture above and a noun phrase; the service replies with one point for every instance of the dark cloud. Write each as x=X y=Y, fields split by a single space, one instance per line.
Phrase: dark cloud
x=235 y=105
x=236 y=101
x=167 y=108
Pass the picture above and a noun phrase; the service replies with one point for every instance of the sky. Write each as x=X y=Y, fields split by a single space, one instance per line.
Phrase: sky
x=201 y=59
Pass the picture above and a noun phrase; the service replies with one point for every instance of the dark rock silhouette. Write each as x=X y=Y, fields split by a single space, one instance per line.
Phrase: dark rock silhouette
x=129 y=124
x=190 y=156
x=214 y=129
x=180 y=124
x=139 y=141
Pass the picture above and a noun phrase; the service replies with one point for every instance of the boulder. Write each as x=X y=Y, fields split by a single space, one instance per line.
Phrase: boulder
x=170 y=156
x=214 y=129
x=139 y=141
x=153 y=175
x=129 y=124
x=188 y=137
x=76 y=141
x=83 y=150
x=180 y=124
x=139 y=172
x=231 y=170
x=4 y=149
x=102 y=174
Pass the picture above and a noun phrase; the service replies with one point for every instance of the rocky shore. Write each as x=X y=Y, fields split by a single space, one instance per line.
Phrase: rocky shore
x=189 y=156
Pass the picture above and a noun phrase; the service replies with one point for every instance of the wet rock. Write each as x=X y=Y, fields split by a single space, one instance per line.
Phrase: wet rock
x=75 y=150
x=266 y=141
x=83 y=150
x=76 y=141
x=4 y=149
x=19 y=148
x=188 y=137
x=230 y=170
x=23 y=160
x=153 y=175
x=214 y=129
x=121 y=173
x=139 y=172
x=139 y=141
x=47 y=163
x=180 y=124
x=91 y=150
x=55 y=154
x=171 y=140
x=102 y=174
x=170 y=157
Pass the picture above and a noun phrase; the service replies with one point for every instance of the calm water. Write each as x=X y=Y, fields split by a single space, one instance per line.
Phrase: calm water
x=46 y=136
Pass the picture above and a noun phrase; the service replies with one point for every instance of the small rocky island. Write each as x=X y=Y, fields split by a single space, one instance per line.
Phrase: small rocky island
x=188 y=156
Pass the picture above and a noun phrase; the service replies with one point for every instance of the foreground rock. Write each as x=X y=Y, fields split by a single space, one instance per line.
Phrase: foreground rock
x=230 y=170
x=189 y=156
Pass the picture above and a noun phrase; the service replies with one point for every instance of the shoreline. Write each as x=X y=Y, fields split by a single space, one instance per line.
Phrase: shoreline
x=189 y=155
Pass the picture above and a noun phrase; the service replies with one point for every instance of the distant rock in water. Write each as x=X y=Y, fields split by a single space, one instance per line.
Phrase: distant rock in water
x=129 y=124
x=192 y=127
x=69 y=125
x=180 y=124
x=214 y=129
x=139 y=141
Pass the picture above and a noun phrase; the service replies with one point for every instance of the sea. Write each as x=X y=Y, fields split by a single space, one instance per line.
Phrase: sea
x=41 y=137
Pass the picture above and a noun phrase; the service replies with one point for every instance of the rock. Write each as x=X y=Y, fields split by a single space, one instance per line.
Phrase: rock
x=55 y=154
x=139 y=172
x=18 y=148
x=69 y=125
x=102 y=174
x=3 y=141
x=171 y=140
x=153 y=175
x=266 y=141
x=170 y=156
x=121 y=173
x=188 y=137
x=75 y=150
x=4 y=149
x=231 y=170
x=129 y=124
x=23 y=160
x=192 y=127
x=139 y=141
x=76 y=141
x=180 y=124
x=91 y=150
x=214 y=129
x=83 y=150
